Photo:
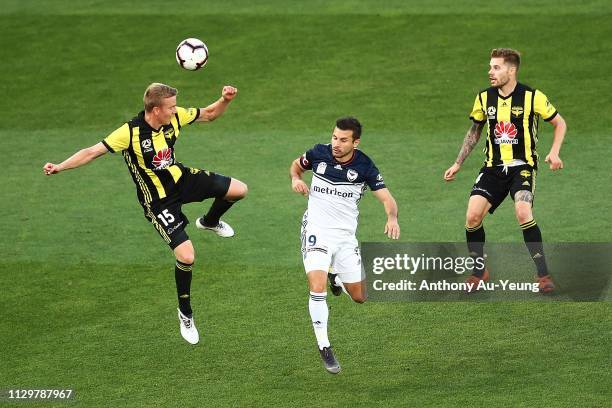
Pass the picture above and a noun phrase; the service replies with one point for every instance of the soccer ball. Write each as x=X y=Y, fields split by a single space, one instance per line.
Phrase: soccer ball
x=192 y=54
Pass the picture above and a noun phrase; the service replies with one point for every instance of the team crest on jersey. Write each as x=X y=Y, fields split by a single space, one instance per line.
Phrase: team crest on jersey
x=321 y=168
x=351 y=175
x=491 y=111
x=505 y=133
x=162 y=159
x=517 y=110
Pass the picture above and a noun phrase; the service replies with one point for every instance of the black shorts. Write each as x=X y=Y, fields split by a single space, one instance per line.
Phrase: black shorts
x=494 y=183
x=194 y=186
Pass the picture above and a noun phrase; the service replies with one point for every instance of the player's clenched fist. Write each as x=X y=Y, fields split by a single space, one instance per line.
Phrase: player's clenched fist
x=50 y=169
x=229 y=92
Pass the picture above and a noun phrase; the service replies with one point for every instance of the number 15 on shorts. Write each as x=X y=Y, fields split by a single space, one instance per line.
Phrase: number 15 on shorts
x=166 y=217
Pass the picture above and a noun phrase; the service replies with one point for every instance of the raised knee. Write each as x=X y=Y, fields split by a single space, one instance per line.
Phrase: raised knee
x=187 y=258
x=239 y=190
x=243 y=190
x=360 y=298
x=473 y=219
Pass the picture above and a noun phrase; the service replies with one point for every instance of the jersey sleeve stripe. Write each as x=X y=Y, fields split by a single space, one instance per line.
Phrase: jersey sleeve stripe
x=110 y=149
x=197 y=115
x=303 y=163
x=551 y=117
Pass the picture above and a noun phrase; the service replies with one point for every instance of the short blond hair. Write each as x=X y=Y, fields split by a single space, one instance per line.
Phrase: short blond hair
x=510 y=56
x=156 y=93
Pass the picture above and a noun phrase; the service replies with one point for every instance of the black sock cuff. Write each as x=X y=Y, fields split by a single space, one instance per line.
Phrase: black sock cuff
x=184 y=266
x=473 y=229
x=529 y=224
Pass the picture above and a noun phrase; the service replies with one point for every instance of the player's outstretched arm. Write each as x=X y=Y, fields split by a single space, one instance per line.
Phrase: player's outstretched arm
x=218 y=107
x=78 y=159
x=471 y=139
x=559 y=129
x=392 y=228
x=297 y=184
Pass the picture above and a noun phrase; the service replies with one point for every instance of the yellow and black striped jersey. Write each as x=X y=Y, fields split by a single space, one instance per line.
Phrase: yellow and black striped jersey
x=149 y=153
x=512 y=131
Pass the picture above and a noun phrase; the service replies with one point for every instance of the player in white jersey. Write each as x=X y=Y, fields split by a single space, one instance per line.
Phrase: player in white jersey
x=341 y=174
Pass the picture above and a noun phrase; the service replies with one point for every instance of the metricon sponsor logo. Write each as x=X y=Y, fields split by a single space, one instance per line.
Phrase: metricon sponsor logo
x=332 y=191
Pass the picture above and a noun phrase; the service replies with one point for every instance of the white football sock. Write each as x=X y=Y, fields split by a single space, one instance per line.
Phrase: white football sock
x=317 y=305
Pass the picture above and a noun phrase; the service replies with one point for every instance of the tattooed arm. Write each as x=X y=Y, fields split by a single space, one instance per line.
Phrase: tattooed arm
x=471 y=139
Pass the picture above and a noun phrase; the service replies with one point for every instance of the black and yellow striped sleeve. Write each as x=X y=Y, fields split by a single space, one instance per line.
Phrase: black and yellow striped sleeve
x=187 y=116
x=478 y=113
x=118 y=140
x=543 y=107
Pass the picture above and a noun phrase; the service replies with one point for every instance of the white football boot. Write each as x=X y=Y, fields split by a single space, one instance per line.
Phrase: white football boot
x=188 y=329
x=222 y=229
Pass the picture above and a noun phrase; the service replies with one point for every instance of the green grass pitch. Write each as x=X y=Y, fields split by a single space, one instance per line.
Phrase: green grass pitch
x=88 y=297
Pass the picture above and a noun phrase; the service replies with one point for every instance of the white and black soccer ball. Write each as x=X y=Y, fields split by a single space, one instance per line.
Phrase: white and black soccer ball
x=192 y=54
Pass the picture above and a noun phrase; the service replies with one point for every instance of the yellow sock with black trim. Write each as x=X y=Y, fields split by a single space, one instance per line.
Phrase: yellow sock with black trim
x=182 y=275
x=475 y=237
x=533 y=240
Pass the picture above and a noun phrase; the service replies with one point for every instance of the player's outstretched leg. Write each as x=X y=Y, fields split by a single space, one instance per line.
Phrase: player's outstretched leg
x=475 y=237
x=211 y=221
x=533 y=238
x=357 y=291
x=185 y=256
x=319 y=314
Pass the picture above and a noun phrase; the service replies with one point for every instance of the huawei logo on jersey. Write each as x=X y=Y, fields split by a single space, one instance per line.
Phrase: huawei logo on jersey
x=162 y=159
x=505 y=133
